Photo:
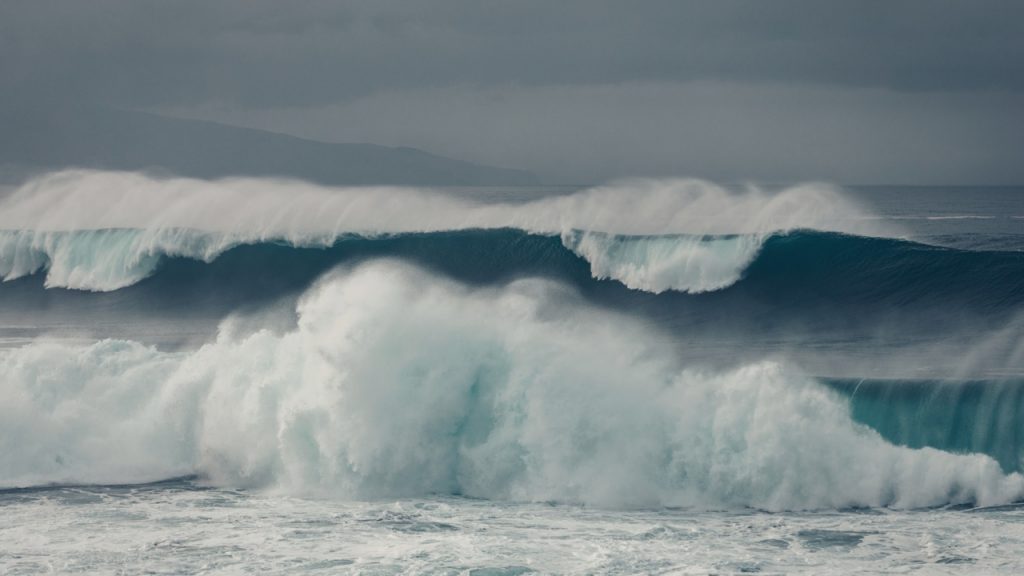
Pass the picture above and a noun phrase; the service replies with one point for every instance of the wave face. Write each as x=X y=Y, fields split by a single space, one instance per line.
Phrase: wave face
x=398 y=382
x=794 y=272
x=981 y=416
x=111 y=259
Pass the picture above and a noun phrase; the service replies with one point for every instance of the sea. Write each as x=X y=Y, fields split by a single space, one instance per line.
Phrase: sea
x=649 y=376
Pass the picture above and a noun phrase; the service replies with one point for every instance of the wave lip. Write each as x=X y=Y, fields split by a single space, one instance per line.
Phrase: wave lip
x=101 y=260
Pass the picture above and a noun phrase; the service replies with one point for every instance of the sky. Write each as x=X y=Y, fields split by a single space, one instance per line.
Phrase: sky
x=865 y=92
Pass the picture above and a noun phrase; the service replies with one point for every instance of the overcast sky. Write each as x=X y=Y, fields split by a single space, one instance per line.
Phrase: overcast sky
x=864 y=91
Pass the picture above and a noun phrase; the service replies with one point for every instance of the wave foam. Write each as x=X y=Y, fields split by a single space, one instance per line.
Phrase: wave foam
x=102 y=260
x=659 y=263
x=396 y=383
x=106 y=230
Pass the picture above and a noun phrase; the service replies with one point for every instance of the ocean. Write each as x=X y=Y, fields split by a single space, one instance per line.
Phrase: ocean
x=644 y=377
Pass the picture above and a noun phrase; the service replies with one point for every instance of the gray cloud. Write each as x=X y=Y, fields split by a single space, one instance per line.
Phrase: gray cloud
x=266 y=53
x=722 y=131
x=922 y=90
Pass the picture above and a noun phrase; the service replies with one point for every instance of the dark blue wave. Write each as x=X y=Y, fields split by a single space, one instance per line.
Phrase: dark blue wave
x=824 y=281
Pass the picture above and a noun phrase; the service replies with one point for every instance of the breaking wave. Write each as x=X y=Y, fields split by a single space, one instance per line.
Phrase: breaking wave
x=103 y=231
x=396 y=382
x=106 y=260
x=790 y=269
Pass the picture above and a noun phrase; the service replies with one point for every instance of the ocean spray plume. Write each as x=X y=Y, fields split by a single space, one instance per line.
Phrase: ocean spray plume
x=43 y=221
x=396 y=382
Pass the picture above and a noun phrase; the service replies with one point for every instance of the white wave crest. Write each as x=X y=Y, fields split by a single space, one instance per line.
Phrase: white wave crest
x=102 y=260
x=398 y=383
x=659 y=263
x=199 y=219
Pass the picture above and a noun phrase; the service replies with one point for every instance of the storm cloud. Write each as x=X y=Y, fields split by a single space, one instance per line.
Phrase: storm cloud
x=872 y=91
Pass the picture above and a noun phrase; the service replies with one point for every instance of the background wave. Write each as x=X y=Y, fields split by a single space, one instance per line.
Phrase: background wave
x=106 y=230
x=796 y=269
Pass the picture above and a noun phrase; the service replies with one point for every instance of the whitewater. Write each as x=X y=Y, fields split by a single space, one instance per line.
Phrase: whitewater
x=649 y=376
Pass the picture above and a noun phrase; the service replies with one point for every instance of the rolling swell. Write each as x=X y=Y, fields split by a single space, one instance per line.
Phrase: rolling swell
x=832 y=266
